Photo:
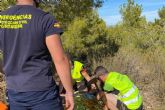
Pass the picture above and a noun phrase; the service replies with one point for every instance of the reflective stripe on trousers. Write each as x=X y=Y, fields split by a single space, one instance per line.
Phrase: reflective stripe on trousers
x=132 y=101
x=132 y=90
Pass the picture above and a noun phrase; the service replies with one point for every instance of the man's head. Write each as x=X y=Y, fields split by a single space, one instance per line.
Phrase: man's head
x=29 y=2
x=101 y=73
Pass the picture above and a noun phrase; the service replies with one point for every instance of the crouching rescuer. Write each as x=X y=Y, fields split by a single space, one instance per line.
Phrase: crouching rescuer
x=120 y=91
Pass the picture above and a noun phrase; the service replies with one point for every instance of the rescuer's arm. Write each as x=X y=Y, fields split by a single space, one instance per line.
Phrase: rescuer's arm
x=87 y=77
x=85 y=74
x=60 y=60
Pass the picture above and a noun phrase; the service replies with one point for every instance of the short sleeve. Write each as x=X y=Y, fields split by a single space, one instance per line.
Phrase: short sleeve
x=51 y=26
x=108 y=87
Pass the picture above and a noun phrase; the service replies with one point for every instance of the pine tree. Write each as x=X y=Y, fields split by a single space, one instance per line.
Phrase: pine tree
x=131 y=14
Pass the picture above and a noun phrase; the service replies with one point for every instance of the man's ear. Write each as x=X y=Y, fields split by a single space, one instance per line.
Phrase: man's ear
x=102 y=77
x=36 y=3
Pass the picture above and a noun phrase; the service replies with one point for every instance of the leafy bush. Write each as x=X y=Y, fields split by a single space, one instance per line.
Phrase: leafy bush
x=87 y=36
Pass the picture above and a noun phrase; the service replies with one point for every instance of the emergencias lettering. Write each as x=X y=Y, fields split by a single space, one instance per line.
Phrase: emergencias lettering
x=14 y=21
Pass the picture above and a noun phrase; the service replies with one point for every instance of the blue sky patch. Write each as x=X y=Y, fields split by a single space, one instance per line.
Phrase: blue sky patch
x=111 y=15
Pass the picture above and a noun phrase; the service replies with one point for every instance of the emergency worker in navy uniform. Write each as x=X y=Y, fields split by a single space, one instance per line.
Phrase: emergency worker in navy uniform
x=30 y=40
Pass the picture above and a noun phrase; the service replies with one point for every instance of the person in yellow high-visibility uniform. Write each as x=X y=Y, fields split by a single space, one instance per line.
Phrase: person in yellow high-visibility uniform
x=119 y=90
x=79 y=74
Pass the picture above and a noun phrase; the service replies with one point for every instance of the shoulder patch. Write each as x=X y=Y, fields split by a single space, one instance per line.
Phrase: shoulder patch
x=57 y=25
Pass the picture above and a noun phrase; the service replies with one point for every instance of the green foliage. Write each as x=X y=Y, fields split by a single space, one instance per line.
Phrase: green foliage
x=161 y=21
x=142 y=38
x=72 y=37
x=131 y=14
x=162 y=13
x=87 y=102
x=86 y=36
x=67 y=10
x=4 y=4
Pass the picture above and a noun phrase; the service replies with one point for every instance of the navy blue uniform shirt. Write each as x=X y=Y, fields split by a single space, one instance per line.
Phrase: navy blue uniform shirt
x=26 y=59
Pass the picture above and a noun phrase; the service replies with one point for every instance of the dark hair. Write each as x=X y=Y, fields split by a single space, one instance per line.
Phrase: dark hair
x=36 y=3
x=100 y=70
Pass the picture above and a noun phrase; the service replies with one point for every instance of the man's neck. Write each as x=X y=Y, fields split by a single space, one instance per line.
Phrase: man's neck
x=25 y=3
x=104 y=77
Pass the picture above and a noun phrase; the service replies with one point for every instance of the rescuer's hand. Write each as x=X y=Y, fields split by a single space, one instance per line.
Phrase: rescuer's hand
x=69 y=101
